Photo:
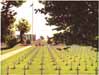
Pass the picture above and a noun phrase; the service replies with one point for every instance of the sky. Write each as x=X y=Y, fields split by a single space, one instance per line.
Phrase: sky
x=36 y=20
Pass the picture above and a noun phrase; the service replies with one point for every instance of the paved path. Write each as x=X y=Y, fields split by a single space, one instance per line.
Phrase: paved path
x=9 y=54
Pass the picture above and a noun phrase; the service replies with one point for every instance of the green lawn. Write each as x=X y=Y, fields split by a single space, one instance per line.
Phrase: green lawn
x=49 y=61
x=18 y=46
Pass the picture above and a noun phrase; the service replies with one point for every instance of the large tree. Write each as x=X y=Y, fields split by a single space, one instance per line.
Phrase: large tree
x=79 y=17
x=23 y=26
x=7 y=18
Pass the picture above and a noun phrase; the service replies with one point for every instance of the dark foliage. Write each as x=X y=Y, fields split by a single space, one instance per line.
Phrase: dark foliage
x=12 y=42
x=78 y=19
x=7 y=18
x=28 y=41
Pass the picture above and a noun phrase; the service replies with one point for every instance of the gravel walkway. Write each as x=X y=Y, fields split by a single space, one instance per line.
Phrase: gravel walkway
x=9 y=54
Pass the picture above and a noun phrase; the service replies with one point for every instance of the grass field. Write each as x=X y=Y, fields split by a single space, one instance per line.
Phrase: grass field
x=46 y=60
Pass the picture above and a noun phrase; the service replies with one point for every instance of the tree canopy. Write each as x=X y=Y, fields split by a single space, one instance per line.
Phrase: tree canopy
x=7 y=18
x=23 y=26
x=78 y=19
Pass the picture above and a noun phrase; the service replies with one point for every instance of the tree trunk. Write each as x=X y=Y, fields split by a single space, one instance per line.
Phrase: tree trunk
x=21 y=36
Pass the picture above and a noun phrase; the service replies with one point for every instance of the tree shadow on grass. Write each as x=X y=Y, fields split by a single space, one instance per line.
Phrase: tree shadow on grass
x=5 y=48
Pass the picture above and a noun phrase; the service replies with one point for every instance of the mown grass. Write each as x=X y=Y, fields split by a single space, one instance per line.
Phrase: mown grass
x=9 y=62
x=47 y=61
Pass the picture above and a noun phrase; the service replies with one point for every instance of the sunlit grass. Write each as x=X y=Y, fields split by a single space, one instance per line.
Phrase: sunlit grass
x=52 y=60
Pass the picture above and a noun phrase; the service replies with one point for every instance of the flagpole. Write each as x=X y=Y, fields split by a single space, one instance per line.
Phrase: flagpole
x=32 y=23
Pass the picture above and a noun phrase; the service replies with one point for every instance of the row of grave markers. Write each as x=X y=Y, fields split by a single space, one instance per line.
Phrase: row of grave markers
x=26 y=67
x=86 y=68
x=42 y=69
